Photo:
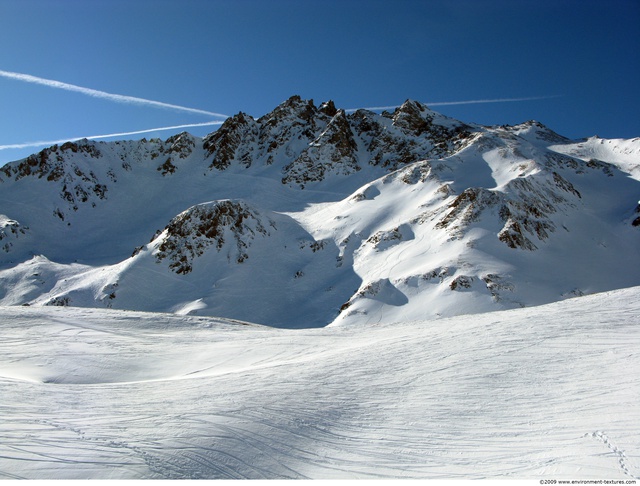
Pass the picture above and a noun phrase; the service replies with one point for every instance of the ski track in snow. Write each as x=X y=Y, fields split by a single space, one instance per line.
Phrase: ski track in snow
x=539 y=392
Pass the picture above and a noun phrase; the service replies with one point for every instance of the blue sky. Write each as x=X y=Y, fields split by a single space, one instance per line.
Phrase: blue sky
x=579 y=59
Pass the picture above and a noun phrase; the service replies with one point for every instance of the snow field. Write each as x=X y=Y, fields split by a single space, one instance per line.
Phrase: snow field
x=550 y=391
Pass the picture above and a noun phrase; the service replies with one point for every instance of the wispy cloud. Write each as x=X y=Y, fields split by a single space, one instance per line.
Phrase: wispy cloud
x=44 y=143
x=464 y=102
x=27 y=78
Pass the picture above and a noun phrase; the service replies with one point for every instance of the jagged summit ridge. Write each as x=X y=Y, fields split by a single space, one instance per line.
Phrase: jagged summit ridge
x=317 y=141
x=362 y=216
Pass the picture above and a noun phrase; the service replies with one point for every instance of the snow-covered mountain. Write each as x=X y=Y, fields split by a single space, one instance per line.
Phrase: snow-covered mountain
x=310 y=216
x=371 y=226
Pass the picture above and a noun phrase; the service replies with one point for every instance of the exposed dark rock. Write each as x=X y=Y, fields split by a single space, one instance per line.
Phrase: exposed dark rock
x=59 y=302
x=513 y=236
x=413 y=117
x=564 y=184
x=333 y=151
x=223 y=144
x=182 y=145
x=467 y=207
x=167 y=167
x=497 y=284
x=636 y=221
x=328 y=108
x=10 y=230
x=461 y=282
x=191 y=233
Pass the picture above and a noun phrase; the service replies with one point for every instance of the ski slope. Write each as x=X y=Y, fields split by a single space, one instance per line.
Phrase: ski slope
x=539 y=392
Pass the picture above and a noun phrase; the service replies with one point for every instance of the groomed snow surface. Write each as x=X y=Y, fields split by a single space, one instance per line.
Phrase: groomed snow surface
x=539 y=392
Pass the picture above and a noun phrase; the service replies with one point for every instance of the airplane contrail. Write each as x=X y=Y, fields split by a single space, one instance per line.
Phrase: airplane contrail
x=42 y=143
x=465 y=102
x=497 y=100
x=27 y=78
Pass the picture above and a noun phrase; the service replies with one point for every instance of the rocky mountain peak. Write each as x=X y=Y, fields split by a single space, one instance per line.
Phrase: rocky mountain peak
x=333 y=151
x=411 y=107
x=221 y=145
x=328 y=108
x=413 y=116
x=295 y=106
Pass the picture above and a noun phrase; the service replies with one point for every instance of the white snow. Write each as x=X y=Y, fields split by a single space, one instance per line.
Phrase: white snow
x=370 y=244
x=623 y=153
x=544 y=392
x=398 y=261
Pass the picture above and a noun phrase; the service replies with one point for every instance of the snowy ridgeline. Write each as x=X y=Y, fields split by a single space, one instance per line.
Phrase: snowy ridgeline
x=544 y=392
x=309 y=216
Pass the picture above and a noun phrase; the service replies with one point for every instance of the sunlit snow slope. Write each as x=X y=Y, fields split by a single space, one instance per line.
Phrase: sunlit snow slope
x=541 y=392
x=310 y=216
